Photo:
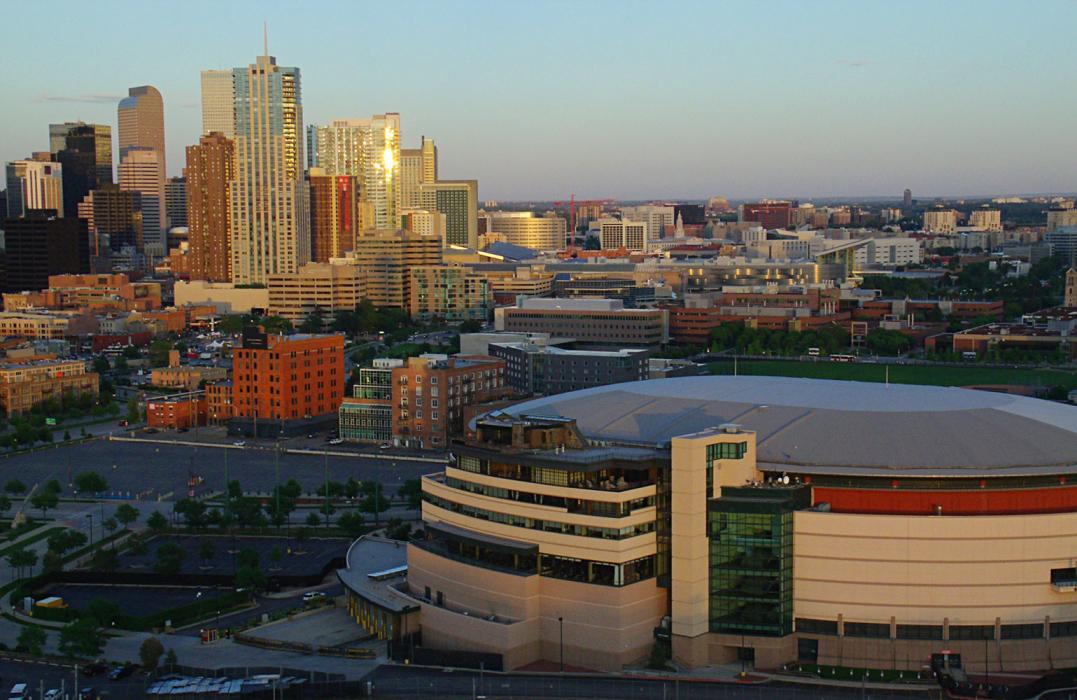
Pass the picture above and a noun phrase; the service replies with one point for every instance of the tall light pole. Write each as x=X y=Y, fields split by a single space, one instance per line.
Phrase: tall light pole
x=561 y=629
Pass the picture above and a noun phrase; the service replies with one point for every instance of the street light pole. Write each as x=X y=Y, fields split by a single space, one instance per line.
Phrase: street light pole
x=561 y=629
x=90 y=516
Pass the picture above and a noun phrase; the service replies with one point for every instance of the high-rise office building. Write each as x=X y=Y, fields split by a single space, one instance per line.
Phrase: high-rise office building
x=85 y=153
x=659 y=218
x=523 y=228
x=140 y=171
x=176 y=201
x=269 y=198
x=218 y=103
x=33 y=184
x=430 y=160
x=117 y=217
x=986 y=217
x=385 y=259
x=906 y=199
x=614 y=234
x=209 y=173
x=335 y=218
x=141 y=137
x=40 y=244
x=370 y=150
x=458 y=200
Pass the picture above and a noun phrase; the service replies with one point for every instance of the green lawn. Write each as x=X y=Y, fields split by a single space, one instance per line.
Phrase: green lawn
x=899 y=374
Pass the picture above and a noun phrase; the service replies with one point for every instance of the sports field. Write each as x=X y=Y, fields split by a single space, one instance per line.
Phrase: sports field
x=900 y=374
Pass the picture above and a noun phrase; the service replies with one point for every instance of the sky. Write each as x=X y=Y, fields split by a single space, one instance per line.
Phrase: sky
x=605 y=99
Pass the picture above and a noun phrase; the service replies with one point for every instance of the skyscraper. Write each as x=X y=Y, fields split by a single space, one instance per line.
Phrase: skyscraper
x=176 y=201
x=117 y=216
x=41 y=244
x=334 y=214
x=140 y=171
x=430 y=160
x=218 y=103
x=141 y=136
x=33 y=184
x=209 y=173
x=86 y=156
x=370 y=150
x=906 y=199
x=269 y=198
x=458 y=200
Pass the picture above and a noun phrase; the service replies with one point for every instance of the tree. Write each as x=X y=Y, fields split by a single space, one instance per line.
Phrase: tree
x=471 y=326
x=301 y=536
x=313 y=520
x=134 y=413
x=276 y=325
x=44 y=500
x=248 y=557
x=53 y=486
x=90 y=481
x=251 y=578
x=159 y=350
x=275 y=556
x=193 y=512
x=157 y=523
x=169 y=558
x=111 y=525
x=66 y=540
x=170 y=658
x=150 y=652
x=20 y=559
x=52 y=561
x=32 y=640
x=81 y=638
x=15 y=486
x=126 y=514
x=104 y=611
x=101 y=365
x=351 y=487
x=105 y=560
x=398 y=529
x=412 y=490
x=5 y=504
x=206 y=551
x=312 y=323
x=352 y=523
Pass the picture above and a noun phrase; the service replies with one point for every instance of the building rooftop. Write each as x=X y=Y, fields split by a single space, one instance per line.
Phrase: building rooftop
x=374 y=567
x=839 y=427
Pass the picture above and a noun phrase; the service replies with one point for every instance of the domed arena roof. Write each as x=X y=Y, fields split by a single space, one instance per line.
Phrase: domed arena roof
x=837 y=427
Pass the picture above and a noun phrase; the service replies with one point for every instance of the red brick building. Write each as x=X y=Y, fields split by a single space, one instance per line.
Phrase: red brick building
x=175 y=413
x=769 y=214
x=281 y=378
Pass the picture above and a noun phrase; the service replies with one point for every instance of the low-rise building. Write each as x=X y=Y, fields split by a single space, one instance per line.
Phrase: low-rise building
x=430 y=393
x=218 y=403
x=321 y=287
x=547 y=369
x=176 y=412
x=187 y=377
x=281 y=383
x=25 y=385
x=367 y=415
x=593 y=323
x=26 y=324
x=449 y=293
x=225 y=297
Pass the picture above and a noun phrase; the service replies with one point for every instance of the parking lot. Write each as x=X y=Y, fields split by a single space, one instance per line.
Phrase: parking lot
x=297 y=559
x=162 y=469
x=146 y=600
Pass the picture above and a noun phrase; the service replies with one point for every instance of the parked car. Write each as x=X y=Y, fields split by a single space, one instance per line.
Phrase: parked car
x=119 y=672
x=312 y=595
x=240 y=443
x=335 y=441
x=52 y=694
x=19 y=691
x=384 y=446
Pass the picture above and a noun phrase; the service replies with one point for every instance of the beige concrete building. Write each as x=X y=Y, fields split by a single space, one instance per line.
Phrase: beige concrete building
x=186 y=376
x=24 y=324
x=142 y=166
x=986 y=218
x=218 y=103
x=385 y=259
x=270 y=224
x=765 y=519
x=25 y=385
x=940 y=219
x=614 y=234
x=33 y=184
x=322 y=287
x=224 y=296
x=1059 y=217
x=523 y=228
x=430 y=223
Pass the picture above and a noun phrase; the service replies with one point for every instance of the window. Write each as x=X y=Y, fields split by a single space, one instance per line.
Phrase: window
x=1026 y=631
x=919 y=631
x=872 y=630
x=965 y=632
x=828 y=627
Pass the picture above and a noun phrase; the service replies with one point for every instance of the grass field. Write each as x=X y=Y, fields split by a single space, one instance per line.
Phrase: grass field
x=900 y=374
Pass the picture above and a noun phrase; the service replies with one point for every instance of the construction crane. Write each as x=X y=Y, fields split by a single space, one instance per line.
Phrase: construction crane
x=572 y=202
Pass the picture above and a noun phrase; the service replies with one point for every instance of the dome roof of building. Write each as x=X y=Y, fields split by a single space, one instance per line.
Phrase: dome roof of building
x=836 y=427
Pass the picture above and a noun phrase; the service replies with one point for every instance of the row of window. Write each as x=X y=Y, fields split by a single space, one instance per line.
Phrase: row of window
x=881 y=630
x=602 y=509
x=606 y=533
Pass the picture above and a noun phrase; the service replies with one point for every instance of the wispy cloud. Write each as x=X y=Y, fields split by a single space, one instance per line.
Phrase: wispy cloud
x=189 y=105
x=92 y=98
x=854 y=62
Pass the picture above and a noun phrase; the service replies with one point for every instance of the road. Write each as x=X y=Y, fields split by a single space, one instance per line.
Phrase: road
x=404 y=682
x=162 y=470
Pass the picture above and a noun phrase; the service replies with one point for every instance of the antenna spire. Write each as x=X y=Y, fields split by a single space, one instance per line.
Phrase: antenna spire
x=265 y=37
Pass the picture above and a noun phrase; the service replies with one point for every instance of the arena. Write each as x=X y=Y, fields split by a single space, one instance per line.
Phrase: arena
x=762 y=518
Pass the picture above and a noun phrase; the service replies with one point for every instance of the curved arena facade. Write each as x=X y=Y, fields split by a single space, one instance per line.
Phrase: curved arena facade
x=768 y=519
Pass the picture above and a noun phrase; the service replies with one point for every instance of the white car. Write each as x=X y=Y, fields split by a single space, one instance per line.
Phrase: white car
x=336 y=441
x=312 y=595
x=53 y=694
x=385 y=446
x=240 y=443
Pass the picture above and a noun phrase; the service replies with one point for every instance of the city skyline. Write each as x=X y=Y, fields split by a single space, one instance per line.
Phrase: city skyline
x=792 y=100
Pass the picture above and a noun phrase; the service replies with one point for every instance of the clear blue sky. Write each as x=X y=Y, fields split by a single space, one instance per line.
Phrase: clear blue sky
x=606 y=99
